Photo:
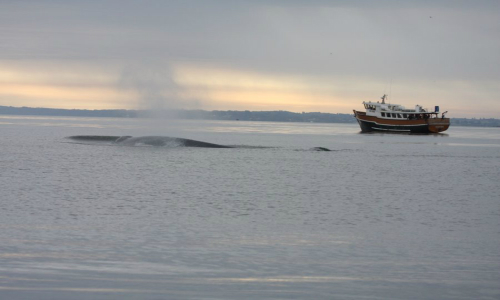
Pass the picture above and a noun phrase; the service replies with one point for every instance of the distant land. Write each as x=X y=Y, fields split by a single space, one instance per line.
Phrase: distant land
x=269 y=116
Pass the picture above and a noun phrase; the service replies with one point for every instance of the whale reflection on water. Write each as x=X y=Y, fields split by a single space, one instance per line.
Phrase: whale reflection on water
x=161 y=141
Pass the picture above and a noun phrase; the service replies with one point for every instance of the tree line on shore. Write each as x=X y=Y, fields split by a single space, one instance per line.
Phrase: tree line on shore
x=270 y=116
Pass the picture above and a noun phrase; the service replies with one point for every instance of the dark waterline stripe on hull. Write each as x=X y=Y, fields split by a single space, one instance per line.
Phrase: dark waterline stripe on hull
x=384 y=129
x=372 y=126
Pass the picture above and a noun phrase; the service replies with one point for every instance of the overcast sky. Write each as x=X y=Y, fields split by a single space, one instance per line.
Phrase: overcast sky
x=293 y=55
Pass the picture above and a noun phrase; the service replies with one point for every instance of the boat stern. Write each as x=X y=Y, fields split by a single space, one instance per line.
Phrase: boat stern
x=438 y=125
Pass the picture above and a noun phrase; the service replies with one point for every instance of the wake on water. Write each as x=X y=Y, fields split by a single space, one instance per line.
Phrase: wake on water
x=158 y=141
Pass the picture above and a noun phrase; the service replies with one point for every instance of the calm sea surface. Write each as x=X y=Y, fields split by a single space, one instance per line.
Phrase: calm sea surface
x=382 y=216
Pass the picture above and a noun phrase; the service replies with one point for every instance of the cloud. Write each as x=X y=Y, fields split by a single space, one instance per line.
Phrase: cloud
x=430 y=44
x=313 y=37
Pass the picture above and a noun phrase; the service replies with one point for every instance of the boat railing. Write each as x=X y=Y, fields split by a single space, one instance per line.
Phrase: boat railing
x=438 y=120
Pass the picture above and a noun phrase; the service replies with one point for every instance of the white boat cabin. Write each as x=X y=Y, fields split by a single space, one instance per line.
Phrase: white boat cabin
x=395 y=111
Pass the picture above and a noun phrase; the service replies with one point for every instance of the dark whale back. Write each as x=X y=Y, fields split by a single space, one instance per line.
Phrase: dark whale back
x=158 y=141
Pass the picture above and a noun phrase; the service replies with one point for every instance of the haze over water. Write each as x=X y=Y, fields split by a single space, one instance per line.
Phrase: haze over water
x=382 y=216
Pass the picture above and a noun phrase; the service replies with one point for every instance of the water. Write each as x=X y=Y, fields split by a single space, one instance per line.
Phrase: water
x=382 y=216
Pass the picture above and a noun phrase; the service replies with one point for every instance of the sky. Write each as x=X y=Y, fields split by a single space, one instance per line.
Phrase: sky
x=294 y=55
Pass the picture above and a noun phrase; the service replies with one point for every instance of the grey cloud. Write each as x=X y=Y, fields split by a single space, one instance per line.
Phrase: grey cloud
x=453 y=40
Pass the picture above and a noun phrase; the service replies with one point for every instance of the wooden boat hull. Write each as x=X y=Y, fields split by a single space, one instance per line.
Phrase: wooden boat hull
x=431 y=125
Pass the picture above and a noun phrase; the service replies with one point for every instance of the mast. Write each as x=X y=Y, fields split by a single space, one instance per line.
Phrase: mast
x=383 y=98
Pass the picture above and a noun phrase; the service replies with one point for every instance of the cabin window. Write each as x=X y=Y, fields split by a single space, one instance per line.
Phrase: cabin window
x=405 y=116
x=383 y=114
x=399 y=116
x=394 y=115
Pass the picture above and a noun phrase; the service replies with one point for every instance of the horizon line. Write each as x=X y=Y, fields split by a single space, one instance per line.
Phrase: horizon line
x=184 y=109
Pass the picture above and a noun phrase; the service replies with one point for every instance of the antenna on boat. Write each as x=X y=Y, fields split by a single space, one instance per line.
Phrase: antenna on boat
x=383 y=98
x=390 y=88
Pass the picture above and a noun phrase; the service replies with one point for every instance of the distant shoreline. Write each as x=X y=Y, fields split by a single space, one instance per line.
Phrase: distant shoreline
x=269 y=116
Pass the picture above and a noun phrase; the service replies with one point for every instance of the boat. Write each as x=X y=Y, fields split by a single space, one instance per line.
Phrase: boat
x=396 y=118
